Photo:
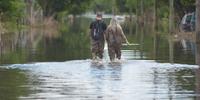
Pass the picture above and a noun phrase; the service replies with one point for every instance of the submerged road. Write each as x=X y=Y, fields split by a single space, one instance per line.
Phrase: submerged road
x=130 y=80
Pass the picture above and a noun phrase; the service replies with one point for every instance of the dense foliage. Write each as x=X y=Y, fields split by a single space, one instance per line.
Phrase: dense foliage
x=15 y=9
x=53 y=7
x=11 y=9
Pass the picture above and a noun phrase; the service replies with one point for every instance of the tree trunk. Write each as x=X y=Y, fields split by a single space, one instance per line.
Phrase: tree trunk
x=155 y=30
x=142 y=12
x=171 y=31
x=197 y=81
x=113 y=7
x=131 y=21
x=198 y=32
x=142 y=30
x=29 y=11
x=171 y=16
x=197 y=73
x=171 y=49
x=136 y=20
x=34 y=13
x=155 y=17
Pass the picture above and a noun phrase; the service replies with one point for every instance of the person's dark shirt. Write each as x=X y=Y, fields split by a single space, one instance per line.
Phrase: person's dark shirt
x=102 y=24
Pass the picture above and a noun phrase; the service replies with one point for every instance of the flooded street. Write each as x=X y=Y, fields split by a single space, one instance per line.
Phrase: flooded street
x=79 y=80
x=49 y=65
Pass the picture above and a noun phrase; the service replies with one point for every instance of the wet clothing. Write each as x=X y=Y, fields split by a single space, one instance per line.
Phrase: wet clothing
x=115 y=37
x=97 y=46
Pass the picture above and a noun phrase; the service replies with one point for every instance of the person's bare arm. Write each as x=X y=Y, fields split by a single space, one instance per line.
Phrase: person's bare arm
x=122 y=35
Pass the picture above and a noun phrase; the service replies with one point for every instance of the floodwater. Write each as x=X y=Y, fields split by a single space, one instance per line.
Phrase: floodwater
x=49 y=65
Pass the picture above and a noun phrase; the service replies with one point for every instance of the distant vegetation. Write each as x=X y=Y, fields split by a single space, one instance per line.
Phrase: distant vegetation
x=32 y=12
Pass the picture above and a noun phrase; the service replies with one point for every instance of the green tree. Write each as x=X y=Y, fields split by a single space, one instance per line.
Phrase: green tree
x=78 y=6
x=184 y=6
x=100 y=5
x=11 y=9
x=53 y=7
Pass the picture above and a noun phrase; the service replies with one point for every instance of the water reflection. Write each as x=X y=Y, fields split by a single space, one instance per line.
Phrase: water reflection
x=106 y=81
x=13 y=84
x=35 y=45
x=70 y=41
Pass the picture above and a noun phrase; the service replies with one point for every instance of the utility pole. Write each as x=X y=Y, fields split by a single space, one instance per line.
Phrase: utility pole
x=197 y=32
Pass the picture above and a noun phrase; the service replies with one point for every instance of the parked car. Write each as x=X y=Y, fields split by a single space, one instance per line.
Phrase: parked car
x=192 y=22
x=187 y=23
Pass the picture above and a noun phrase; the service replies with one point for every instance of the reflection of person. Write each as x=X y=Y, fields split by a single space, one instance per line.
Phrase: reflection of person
x=115 y=37
x=97 y=29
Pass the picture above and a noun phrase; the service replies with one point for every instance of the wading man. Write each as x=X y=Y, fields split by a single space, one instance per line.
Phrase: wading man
x=97 y=29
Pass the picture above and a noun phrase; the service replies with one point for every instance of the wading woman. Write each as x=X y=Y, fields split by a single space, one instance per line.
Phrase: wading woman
x=115 y=37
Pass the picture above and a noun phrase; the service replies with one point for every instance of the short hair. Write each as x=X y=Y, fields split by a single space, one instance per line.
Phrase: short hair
x=99 y=15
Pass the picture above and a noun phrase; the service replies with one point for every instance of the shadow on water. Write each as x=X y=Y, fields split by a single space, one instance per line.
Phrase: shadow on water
x=42 y=64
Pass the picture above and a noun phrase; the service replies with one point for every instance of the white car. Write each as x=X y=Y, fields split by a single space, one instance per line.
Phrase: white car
x=187 y=23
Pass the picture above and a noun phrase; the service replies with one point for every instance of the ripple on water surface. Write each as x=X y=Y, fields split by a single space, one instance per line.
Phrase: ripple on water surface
x=130 y=80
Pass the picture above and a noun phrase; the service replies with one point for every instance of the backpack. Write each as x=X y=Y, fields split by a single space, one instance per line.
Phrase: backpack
x=97 y=30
